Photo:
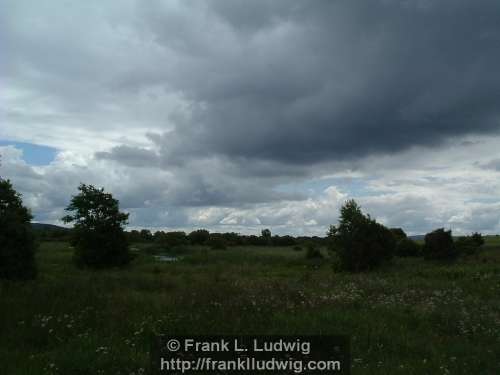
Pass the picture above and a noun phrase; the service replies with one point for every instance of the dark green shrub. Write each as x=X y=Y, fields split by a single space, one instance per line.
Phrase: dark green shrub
x=399 y=234
x=478 y=239
x=466 y=245
x=17 y=242
x=361 y=242
x=297 y=248
x=217 y=242
x=439 y=245
x=199 y=237
x=408 y=248
x=313 y=252
x=98 y=235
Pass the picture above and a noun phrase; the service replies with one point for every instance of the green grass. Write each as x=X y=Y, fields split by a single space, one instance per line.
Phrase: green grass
x=411 y=317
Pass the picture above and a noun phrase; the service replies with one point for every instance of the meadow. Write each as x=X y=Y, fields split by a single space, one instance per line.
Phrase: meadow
x=409 y=317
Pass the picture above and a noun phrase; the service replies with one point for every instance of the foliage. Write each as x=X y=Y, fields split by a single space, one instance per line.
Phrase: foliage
x=17 y=244
x=171 y=239
x=266 y=236
x=199 y=237
x=313 y=252
x=362 y=243
x=478 y=239
x=217 y=241
x=408 y=248
x=98 y=235
x=469 y=245
x=399 y=234
x=439 y=245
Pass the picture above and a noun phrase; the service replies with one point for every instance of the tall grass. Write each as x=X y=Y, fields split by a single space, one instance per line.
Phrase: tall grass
x=411 y=317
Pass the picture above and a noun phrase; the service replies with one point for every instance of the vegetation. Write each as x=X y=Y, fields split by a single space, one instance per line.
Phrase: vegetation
x=313 y=252
x=408 y=248
x=98 y=235
x=361 y=242
x=17 y=242
x=439 y=245
x=412 y=317
x=409 y=317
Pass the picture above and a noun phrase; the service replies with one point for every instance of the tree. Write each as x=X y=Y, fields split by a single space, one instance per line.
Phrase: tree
x=17 y=241
x=361 y=242
x=199 y=236
x=98 y=236
x=146 y=235
x=266 y=236
x=398 y=233
x=439 y=245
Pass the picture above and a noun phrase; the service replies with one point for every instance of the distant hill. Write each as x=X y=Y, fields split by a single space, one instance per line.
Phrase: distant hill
x=417 y=237
x=47 y=227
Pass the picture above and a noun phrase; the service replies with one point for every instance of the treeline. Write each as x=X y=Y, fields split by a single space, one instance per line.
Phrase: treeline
x=205 y=238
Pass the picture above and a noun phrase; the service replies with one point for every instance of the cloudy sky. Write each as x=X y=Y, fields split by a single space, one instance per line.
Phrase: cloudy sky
x=236 y=115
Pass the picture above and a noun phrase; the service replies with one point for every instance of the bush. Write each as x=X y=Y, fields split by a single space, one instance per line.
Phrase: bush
x=399 y=234
x=478 y=239
x=361 y=242
x=217 y=242
x=98 y=235
x=297 y=248
x=17 y=241
x=313 y=252
x=407 y=248
x=467 y=245
x=199 y=237
x=439 y=245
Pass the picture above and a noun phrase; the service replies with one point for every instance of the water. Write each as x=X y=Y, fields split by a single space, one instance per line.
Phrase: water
x=166 y=258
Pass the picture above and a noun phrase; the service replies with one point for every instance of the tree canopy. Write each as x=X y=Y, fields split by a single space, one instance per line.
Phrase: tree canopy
x=99 y=238
x=17 y=244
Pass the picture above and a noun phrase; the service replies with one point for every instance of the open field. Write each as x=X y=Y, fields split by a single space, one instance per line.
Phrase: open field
x=412 y=317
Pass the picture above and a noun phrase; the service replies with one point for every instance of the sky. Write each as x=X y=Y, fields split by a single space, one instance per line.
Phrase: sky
x=236 y=115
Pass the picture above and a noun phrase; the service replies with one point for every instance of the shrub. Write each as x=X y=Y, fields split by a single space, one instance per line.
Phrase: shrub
x=478 y=239
x=98 y=236
x=399 y=234
x=407 y=248
x=199 y=237
x=17 y=242
x=361 y=242
x=297 y=248
x=313 y=252
x=439 y=245
x=466 y=246
x=217 y=242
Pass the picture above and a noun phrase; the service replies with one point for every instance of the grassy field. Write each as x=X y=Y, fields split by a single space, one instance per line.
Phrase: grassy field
x=412 y=317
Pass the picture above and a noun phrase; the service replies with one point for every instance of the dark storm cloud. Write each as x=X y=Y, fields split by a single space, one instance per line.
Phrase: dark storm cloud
x=131 y=156
x=303 y=82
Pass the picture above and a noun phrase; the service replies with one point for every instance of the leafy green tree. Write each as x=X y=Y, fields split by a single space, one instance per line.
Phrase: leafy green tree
x=146 y=235
x=98 y=237
x=439 y=245
x=266 y=236
x=398 y=233
x=199 y=236
x=17 y=241
x=361 y=242
x=172 y=239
